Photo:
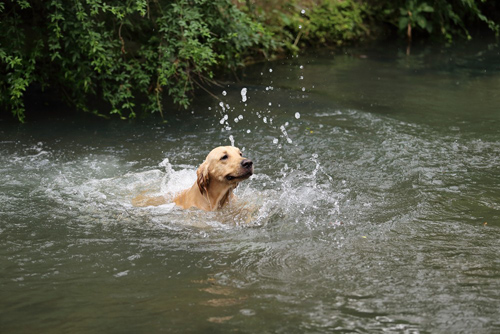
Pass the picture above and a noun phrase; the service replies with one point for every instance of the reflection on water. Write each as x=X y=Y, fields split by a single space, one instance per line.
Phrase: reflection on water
x=374 y=206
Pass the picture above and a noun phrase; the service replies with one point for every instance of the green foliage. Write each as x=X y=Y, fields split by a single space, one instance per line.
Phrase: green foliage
x=316 y=22
x=414 y=14
x=120 y=51
x=134 y=53
x=298 y=23
x=330 y=22
x=441 y=18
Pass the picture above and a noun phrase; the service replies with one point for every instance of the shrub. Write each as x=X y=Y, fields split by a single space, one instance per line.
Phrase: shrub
x=439 y=18
x=311 y=22
x=120 y=51
x=124 y=52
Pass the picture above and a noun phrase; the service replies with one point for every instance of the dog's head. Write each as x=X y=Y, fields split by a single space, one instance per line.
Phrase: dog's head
x=225 y=166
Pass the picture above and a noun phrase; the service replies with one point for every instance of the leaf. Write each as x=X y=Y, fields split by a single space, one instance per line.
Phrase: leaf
x=403 y=23
x=424 y=7
x=422 y=22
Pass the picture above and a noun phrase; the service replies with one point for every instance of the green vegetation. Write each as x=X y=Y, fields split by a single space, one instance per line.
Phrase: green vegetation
x=120 y=51
x=442 y=19
x=299 y=24
x=132 y=54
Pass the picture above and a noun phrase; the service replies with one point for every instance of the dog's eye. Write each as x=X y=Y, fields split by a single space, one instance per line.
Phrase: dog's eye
x=241 y=154
x=224 y=157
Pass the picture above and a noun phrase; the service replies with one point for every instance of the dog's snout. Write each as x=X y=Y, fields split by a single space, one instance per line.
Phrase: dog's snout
x=246 y=163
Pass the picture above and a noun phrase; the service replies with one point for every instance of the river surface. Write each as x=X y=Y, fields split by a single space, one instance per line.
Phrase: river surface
x=375 y=205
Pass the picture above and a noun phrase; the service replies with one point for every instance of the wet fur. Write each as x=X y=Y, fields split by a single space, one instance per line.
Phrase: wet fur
x=221 y=172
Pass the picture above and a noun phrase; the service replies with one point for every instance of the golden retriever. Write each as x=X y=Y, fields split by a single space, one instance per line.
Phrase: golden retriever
x=221 y=172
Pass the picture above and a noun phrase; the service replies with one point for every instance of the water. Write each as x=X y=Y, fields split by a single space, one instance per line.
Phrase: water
x=374 y=206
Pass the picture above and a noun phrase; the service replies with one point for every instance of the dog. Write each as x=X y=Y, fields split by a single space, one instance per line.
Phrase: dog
x=221 y=172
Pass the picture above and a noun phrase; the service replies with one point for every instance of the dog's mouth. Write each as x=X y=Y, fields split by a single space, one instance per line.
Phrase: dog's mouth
x=239 y=177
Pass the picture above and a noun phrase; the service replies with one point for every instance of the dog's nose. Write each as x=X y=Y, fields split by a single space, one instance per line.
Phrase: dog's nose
x=246 y=163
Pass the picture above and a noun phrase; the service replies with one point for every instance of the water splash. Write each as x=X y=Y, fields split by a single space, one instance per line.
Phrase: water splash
x=285 y=134
x=244 y=94
x=262 y=200
x=224 y=119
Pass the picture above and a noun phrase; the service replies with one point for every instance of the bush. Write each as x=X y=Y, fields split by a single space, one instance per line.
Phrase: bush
x=300 y=23
x=128 y=51
x=120 y=51
x=435 y=18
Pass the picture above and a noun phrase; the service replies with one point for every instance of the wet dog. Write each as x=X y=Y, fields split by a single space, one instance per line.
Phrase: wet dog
x=221 y=172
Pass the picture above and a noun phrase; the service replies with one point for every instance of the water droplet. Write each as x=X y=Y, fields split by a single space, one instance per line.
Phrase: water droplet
x=231 y=139
x=275 y=141
x=301 y=67
x=270 y=104
x=297 y=115
x=224 y=119
x=248 y=131
x=270 y=70
x=240 y=117
x=244 y=94
x=303 y=89
x=265 y=119
x=300 y=26
x=224 y=93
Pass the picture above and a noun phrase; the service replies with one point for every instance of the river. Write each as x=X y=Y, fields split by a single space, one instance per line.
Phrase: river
x=375 y=205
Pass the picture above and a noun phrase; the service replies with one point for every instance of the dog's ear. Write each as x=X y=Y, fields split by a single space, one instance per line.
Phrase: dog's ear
x=203 y=179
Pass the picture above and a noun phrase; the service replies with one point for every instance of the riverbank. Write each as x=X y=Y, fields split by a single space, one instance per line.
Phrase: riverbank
x=139 y=58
